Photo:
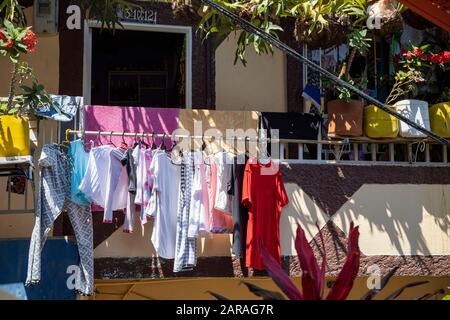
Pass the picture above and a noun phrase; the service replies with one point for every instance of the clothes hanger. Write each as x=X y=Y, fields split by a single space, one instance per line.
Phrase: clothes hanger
x=142 y=142
x=263 y=158
x=65 y=143
x=154 y=146
x=110 y=139
x=123 y=145
x=100 y=138
x=204 y=146
x=162 y=146
x=136 y=142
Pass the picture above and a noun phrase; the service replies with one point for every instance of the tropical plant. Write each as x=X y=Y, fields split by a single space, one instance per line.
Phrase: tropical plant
x=318 y=23
x=313 y=275
x=106 y=11
x=12 y=10
x=415 y=66
x=15 y=41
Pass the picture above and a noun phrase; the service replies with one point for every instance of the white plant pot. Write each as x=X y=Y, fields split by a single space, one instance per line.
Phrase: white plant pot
x=414 y=110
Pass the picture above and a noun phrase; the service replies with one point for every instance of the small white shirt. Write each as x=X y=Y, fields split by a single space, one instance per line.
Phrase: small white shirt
x=163 y=204
x=199 y=212
x=106 y=180
x=223 y=200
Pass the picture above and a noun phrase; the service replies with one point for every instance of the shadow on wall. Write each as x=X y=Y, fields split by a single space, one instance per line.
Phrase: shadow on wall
x=400 y=210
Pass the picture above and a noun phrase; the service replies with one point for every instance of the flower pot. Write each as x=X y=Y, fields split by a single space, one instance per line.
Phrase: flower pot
x=345 y=118
x=414 y=110
x=440 y=119
x=14 y=136
x=379 y=124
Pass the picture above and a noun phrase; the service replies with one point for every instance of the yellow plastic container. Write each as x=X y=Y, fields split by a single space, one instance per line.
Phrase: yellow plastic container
x=379 y=124
x=14 y=136
x=440 y=119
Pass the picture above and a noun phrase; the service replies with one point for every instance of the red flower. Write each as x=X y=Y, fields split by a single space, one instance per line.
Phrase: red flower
x=10 y=43
x=2 y=35
x=409 y=56
x=403 y=52
x=418 y=52
x=30 y=40
x=445 y=57
x=435 y=58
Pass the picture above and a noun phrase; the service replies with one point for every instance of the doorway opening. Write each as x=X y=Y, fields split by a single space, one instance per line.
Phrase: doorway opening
x=138 y=68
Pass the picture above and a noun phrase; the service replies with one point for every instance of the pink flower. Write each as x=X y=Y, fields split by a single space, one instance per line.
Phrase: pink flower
x=30 y=40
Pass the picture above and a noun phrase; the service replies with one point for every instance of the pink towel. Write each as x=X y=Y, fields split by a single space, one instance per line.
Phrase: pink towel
x=130 y=119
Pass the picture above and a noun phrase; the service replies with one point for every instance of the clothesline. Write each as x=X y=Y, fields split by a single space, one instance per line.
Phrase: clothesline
x=162 y=135
x=337 y=141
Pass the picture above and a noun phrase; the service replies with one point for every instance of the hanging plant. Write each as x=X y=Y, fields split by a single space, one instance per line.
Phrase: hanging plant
x=389 y=14
x=189 y=10
x=320 y=24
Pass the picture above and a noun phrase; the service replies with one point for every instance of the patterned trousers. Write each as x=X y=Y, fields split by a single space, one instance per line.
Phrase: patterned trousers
x=186 y=248
x=51 y=201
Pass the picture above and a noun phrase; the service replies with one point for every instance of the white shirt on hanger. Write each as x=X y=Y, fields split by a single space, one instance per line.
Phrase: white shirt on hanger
x=199 y=212
x=163 y=205
x=223 y=200
x=106 y=180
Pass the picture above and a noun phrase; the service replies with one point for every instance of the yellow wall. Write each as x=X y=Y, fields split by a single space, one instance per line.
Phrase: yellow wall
x=260 y=86
x=399 y=219
x=393 y=220
x=195 y=288
x=44 y=61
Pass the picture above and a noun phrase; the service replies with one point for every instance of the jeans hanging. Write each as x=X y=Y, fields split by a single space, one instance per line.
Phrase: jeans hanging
x=54 y=198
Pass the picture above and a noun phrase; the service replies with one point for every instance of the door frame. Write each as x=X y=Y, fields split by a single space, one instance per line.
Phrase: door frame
x=87 y=56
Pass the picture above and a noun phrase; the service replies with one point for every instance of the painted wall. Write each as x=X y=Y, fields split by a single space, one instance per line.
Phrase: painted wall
x=191 y=289
x=389 y=225
x=402 y=213
x=260 y=86
x=44 y=61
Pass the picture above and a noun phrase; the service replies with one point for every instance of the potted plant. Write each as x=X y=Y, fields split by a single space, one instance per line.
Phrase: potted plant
x=15 y=110
x=414 y=67
x=440 y=115
x=345 y=113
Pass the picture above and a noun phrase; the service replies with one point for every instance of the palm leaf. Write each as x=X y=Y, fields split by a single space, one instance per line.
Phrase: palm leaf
x=263 y=293
x=217 y=296
x=384 y=281
x=398 y=292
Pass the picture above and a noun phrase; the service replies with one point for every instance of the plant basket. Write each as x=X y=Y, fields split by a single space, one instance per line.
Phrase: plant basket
x=333 y=34
x=345 y=118
x=379 y=124
x=391 y=18
x=440 y=119
x=14 y=136
x=416 y=111
x=187 y=10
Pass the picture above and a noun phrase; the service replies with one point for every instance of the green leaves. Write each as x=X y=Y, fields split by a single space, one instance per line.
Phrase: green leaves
x=358 y=39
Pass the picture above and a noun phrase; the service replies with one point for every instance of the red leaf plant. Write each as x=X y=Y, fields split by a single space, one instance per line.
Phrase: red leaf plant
x=313 y=276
